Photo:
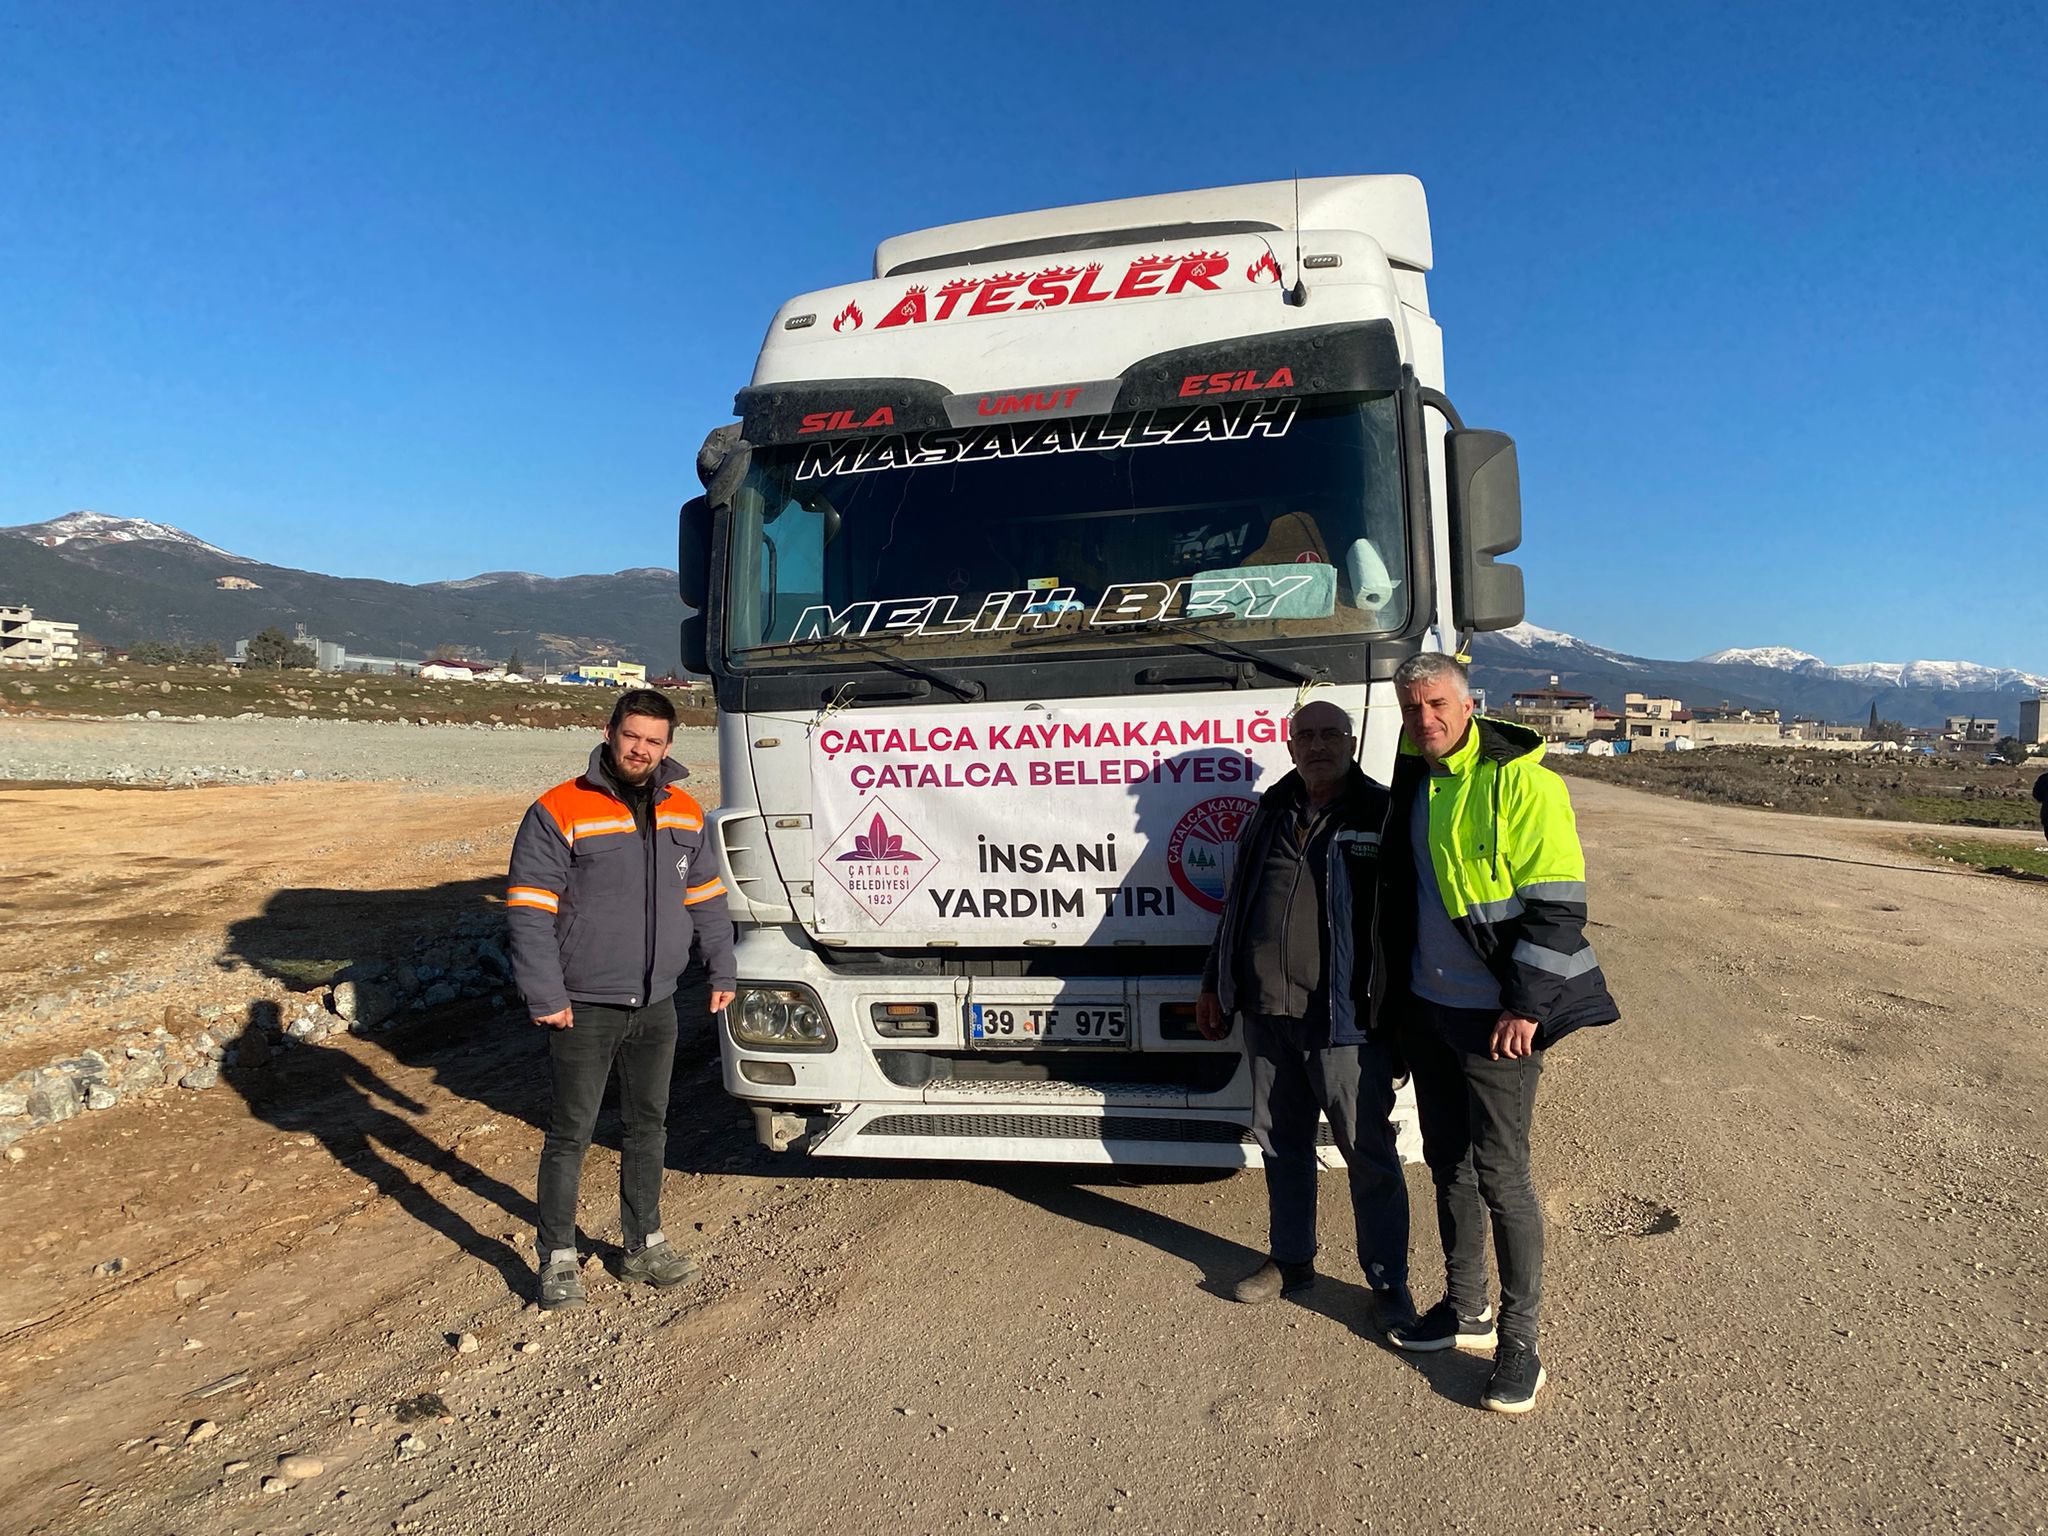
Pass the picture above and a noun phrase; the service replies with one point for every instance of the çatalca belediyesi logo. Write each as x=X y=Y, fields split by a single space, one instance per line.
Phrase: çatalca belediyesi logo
x=878 y=859
x=1203 y=845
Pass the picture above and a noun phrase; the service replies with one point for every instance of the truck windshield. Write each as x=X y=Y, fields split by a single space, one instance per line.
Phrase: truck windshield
x=1267 y=519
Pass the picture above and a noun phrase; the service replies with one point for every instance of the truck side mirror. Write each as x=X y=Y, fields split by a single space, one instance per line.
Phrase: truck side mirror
x=1486 y=520
x=693 y=551
x=696 y=653
x=693 y=578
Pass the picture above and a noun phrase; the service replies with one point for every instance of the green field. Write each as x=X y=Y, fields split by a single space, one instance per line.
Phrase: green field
x=1994 y=858
x=1952 y=811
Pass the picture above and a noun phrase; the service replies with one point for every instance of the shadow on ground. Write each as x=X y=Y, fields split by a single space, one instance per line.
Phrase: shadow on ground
x=346 y=1091
x=1218 y=1262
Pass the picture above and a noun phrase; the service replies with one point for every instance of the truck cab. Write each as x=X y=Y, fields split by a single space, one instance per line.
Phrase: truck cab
x=1016 y=562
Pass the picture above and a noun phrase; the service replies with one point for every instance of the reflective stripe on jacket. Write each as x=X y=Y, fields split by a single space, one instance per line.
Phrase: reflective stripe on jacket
x=602 y=910
x=1505 y=849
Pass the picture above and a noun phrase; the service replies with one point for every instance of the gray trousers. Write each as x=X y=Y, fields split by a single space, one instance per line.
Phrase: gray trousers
x=1476 y=1116
x=641 y=1044
x=1296 y=1072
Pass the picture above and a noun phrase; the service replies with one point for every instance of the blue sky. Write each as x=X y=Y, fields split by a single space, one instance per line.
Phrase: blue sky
x=419 y=290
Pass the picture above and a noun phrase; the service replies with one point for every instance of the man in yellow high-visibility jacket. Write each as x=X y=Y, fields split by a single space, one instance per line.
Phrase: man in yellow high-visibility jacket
x=1484 y=906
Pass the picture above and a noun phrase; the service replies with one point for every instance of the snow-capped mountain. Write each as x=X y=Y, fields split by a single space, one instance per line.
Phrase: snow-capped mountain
x=1534 y=638
x=88 y=528
x=1770 y=677
x=1941 y=674
x=1950 y=676
x=1780 y=656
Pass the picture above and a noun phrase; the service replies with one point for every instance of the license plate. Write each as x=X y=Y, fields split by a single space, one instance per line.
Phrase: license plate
x=1022 y=1025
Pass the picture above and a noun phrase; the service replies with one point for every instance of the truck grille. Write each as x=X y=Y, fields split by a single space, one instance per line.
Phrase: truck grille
x=1175 y=1072
x=1096 y=1128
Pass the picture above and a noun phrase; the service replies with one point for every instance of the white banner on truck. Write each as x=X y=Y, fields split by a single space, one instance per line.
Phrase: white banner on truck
x=991 y=825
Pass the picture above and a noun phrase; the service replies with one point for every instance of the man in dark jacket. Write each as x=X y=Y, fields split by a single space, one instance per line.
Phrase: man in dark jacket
x=1295 y=955
x=611 y=884
x=2041 y=794
x=1484 y=906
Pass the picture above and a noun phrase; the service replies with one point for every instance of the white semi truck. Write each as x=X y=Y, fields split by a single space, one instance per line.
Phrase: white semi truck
x=1008 y=577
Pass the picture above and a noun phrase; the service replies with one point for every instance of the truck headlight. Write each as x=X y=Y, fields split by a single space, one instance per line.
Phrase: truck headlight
x=779 y=1019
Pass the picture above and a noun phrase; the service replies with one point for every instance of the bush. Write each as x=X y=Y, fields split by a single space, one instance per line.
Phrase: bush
x=165 y=653
x=273 y=648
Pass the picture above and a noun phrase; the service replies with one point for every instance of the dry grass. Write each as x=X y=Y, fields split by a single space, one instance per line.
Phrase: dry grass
x=224 y=692
x=1944 y=791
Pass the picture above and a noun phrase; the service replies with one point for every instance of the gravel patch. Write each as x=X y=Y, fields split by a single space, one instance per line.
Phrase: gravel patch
x=176 y=752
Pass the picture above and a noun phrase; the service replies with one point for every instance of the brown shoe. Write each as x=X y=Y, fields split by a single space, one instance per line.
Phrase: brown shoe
x=1273 y=1279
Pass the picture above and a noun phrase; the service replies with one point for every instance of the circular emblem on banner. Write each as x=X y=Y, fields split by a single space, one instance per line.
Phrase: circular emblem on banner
x=1202 y=845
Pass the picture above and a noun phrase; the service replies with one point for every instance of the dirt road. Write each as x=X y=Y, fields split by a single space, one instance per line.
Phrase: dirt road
x=1795 y=1281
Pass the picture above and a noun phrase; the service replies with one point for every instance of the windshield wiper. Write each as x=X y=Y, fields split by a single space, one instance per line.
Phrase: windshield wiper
x=1185 y=625
x=968 y=689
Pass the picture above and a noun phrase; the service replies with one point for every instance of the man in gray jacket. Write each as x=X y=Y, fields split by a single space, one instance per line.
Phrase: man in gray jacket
x=611 y=885
x=1296 y=953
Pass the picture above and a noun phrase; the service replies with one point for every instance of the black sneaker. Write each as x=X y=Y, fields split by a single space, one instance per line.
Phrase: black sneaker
x=1442 y=1328
x=1272 y=1279
x=1517 y=1378
x=1392 y=1308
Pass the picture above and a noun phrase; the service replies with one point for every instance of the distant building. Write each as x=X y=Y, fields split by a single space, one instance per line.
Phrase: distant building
x=329 y=657
x=1726 y=711
x=1804 y=732
x=385 y=665
x=1728 y=725
x=444 y=668
x=1558 y=714
x=622 y=674
x=27 y=641
x=2034 y=721
x=1658 y=720
x=1969 y=729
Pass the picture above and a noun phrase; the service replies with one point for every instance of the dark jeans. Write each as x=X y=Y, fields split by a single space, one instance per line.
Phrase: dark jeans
x=641 y=1043
x=1476 y=1113
x=1295 y=1073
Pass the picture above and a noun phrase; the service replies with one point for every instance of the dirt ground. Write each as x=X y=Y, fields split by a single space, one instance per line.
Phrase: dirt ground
x=1953 y=789
x=1795 y=1272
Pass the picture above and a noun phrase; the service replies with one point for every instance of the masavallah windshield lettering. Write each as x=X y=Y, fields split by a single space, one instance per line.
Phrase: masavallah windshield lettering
x=1177 y=427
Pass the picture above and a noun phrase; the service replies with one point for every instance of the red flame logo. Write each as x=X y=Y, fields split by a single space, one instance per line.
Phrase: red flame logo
x=1264 y=270
x=850 y=317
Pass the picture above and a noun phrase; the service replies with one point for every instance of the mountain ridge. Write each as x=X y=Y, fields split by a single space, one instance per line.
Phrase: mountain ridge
x=125 y=580
x=1767 y=677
